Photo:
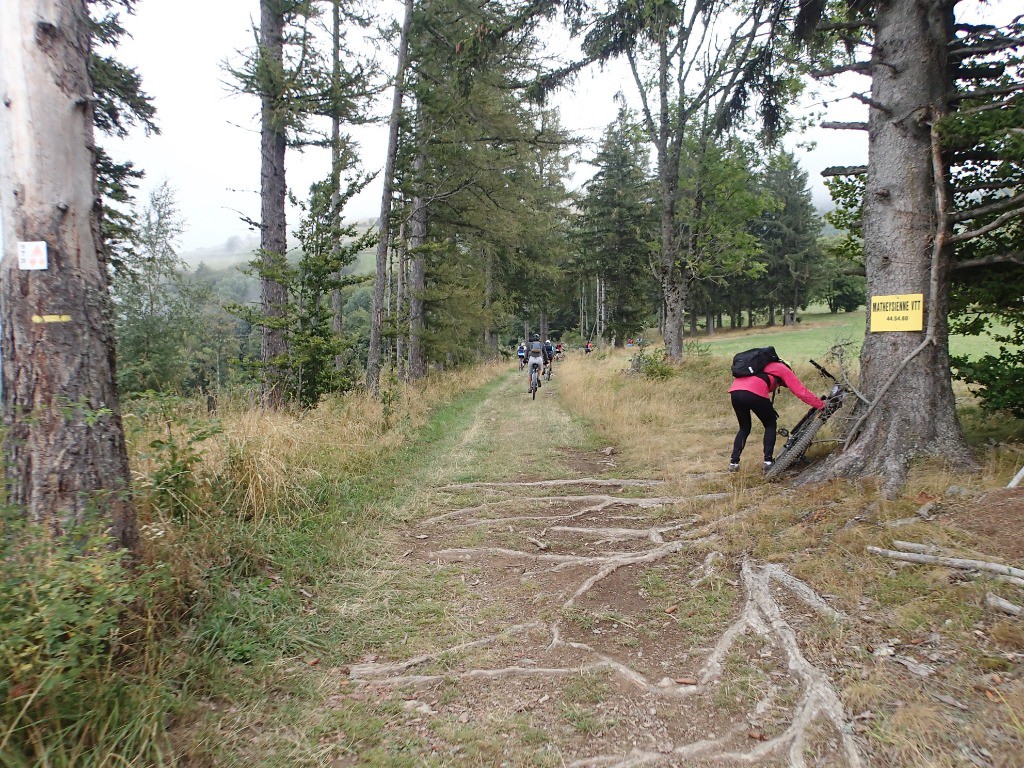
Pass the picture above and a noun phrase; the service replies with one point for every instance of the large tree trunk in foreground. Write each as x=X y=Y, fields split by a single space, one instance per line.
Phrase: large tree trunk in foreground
x=273 y=194
x=64 y=448
x=916 y=416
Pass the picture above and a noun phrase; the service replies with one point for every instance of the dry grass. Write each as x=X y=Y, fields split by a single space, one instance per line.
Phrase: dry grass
x=262 y=464
x=684 y=425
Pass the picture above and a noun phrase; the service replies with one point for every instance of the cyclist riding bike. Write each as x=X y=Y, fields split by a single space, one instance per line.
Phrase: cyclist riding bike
x=536 y=355
x=521 y=353
x=549 y=352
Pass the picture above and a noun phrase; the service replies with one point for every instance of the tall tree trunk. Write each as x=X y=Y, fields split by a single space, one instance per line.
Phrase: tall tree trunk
x=672 y=290
x=916 y=416
x=490 y=334
x=389 y=297
x=373 y=365
x=64 y=445
x=583 y=312
x=417 y=279
x=401 y=326
x=273 y=194
x=337 y=303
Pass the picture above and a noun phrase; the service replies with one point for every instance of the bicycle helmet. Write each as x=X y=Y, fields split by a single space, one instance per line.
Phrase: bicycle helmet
x=535 y=337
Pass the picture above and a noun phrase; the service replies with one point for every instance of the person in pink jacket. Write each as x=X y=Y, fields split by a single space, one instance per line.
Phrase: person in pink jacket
x=754 y=394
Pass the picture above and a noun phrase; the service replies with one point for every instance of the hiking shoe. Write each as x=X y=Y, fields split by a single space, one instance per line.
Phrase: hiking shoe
x=767 y=465
x=734 y=466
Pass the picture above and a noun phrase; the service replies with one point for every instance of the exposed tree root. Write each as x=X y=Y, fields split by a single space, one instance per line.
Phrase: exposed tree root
x=599 y=503
x=762 y=616
x=608 y=483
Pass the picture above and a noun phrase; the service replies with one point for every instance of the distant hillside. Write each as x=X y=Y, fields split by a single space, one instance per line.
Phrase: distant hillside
x=239 y=249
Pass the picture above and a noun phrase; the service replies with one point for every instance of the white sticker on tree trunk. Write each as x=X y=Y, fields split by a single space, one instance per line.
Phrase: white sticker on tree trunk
x=32 y=255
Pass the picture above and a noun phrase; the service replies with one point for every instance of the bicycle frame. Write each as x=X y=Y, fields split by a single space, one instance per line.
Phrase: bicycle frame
x=801 y=436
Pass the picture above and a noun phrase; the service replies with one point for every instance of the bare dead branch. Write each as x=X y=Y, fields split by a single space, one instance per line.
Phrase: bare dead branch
x=984 y=210
x=988 y=261
x=860 y=67
x=996 y=223
x=840 y=126
x=1000 y=90
x=980 y=50
x=871 y=103
x=844 y=170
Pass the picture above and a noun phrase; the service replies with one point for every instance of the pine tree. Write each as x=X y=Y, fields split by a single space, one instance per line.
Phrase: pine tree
x=617 y=228
x=789 y=236
x=157 y=308
x=926 y=72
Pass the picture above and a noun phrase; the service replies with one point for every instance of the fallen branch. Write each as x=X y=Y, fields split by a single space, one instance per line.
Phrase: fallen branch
x=1016 y=479
x=921 y=549
x=950 y=562
x=994 y=601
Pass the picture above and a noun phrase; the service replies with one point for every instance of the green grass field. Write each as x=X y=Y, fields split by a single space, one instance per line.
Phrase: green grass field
x=816 y=332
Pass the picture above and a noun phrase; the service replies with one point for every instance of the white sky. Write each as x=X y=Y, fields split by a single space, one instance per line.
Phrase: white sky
x=208 y=149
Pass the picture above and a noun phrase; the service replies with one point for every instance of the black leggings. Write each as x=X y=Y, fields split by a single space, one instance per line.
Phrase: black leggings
x=743 y=403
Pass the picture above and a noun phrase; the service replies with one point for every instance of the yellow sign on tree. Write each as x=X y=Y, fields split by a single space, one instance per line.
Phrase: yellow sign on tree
x=902 y=312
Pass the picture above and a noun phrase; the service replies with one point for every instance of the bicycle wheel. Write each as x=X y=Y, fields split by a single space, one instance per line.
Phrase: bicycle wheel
x=547 y=374
x=534 y=383
x=795 y=450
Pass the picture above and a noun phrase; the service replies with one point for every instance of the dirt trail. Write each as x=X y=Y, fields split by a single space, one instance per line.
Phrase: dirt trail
x=598 y=625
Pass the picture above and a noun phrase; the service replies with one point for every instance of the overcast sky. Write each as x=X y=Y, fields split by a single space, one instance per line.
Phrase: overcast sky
x=208 y=148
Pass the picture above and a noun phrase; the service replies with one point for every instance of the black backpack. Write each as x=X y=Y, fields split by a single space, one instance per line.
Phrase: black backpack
x=752 y=362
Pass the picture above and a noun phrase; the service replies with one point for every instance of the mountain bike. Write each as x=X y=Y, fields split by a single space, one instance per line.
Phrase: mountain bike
x=534 y=379
x=799 y=439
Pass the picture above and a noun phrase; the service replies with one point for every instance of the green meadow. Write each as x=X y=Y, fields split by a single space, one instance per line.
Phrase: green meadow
x=816 y=332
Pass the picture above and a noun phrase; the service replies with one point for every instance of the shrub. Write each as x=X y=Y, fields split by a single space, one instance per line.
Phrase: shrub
x=652 y=365
x=69 y=609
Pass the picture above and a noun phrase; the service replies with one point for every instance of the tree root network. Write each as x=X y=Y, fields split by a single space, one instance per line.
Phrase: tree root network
x=763 y=616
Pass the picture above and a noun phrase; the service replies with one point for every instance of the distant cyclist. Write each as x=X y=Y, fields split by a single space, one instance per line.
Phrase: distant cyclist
x=549 y=352
x=536 y=355
x=521 y=353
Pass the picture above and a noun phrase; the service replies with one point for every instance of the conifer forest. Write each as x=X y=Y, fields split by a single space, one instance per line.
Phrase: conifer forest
x=286 y=501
